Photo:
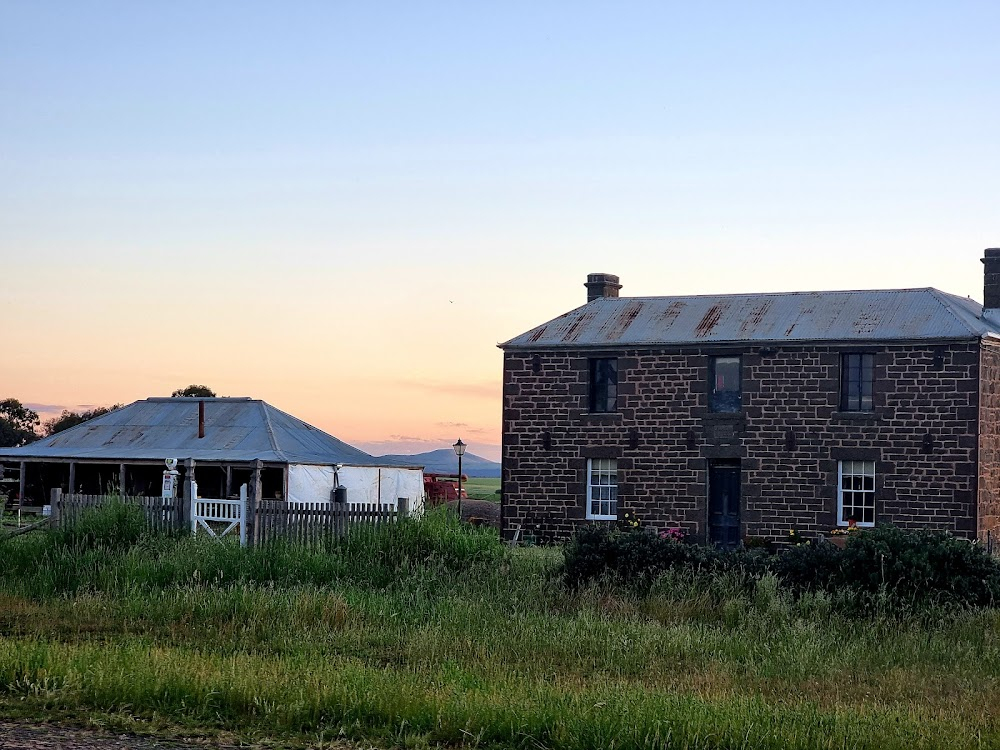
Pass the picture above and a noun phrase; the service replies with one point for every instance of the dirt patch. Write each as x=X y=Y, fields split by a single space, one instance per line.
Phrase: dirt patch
x=51 y=737
x=479 y=512
x=21 y=736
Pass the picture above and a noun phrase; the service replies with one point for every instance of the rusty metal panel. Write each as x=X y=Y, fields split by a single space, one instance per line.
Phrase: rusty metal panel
x=236 y=430
x=887 y=315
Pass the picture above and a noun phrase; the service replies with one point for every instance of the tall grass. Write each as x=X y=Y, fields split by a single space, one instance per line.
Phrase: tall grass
x=110 y=550
x=434 y=633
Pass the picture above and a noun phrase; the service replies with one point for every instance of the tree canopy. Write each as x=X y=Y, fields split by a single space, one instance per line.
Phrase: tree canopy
x=72 y=418
x=17 y=424
x=194 y=391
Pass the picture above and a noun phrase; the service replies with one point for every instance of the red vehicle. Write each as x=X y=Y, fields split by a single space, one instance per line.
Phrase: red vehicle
x=440 y=488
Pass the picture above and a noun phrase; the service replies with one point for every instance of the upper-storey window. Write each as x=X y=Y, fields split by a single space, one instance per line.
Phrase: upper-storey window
x=604 y=385
x=857 y=382
x=725 y=394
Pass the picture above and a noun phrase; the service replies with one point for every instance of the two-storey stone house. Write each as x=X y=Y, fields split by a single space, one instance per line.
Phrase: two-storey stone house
x=750 y=414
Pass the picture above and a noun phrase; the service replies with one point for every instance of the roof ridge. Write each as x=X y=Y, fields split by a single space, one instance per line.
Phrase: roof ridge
x=270 y=430
x=170 y=399
x=759 y=294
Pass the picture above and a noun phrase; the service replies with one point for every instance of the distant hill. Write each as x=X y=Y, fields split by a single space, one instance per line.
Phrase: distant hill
x=445 y=461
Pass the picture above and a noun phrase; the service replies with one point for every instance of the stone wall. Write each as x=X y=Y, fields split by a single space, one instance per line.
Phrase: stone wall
x=788 y=438
x=989 y=443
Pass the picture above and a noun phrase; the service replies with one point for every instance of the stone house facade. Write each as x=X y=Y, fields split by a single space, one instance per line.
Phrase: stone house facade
x=737 y=416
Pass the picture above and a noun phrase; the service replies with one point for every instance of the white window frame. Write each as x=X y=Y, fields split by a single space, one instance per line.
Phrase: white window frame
x=602 y=480
x=851 y=469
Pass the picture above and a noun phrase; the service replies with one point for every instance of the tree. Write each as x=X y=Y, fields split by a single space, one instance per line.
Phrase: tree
x=194 y=391
x=72 y=418
x=17 y=424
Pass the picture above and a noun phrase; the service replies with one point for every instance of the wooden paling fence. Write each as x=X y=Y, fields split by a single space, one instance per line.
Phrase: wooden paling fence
x=162 y=513
x=310 y=523
x=264 y=521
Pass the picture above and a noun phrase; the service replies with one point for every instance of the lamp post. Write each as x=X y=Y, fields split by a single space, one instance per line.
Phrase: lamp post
x=459 y=451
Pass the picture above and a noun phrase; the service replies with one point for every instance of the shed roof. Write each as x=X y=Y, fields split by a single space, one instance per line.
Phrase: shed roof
x=236 y=430
x=793 y=317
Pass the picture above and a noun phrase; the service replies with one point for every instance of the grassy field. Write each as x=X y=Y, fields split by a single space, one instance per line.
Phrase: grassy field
x=430 y=634
x=483 y=488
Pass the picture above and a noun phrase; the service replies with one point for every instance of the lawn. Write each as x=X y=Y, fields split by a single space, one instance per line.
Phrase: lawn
x=483 y=488
x=430 y=634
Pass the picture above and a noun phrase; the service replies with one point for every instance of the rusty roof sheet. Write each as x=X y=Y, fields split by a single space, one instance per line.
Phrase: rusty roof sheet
x=236 y=430
x=853 y=316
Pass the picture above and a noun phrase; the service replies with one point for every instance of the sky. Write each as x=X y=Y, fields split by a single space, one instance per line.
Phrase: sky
x=342 y=207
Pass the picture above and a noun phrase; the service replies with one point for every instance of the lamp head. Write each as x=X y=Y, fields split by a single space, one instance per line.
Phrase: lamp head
x=459 y=448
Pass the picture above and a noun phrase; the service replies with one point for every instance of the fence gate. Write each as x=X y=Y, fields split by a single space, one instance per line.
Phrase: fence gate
x=206 y=510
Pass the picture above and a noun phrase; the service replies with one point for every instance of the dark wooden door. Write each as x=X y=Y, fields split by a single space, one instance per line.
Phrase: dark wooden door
x=724 y=505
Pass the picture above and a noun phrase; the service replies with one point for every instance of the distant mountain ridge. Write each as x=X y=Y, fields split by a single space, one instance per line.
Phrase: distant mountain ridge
x=444 y=461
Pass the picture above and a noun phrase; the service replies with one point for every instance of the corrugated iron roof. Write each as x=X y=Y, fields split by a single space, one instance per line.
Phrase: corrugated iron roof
x=854 y=316
x=236 y=430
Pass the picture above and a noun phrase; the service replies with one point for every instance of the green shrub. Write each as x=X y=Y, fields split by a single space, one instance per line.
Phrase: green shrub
x=808 y=567
x=920 y=567
x=635 y=558
x=901 y=569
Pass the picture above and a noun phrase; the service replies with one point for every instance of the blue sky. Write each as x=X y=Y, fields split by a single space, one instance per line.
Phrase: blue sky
x=326 y=191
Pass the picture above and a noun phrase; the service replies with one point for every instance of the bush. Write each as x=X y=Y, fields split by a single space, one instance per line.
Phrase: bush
x=900 y=568
x=635 y=558
x=809 y=567
x=920 y=567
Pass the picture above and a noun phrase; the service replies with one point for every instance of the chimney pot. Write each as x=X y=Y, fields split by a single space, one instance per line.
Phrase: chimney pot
x=991 y=279
x=601 y=285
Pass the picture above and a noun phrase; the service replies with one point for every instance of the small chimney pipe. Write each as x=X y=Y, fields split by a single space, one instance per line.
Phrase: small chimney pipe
x=201 y=419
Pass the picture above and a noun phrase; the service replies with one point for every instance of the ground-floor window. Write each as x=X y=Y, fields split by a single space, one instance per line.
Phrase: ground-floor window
x=602 y=488
x=856 y=493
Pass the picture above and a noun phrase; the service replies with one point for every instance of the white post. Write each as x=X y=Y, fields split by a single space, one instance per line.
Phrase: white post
x=193 y=494
x=243 y=515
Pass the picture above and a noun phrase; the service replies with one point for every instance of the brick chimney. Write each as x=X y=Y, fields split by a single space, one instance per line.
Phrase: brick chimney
x=991 y=280
x=606 y=284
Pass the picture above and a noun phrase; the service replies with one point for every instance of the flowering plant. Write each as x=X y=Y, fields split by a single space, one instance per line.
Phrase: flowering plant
x=629 y=521
x=795 y=536
x=672 y=534
x=852 y=526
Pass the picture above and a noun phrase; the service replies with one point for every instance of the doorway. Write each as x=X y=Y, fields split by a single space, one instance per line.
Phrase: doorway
x=724 y=504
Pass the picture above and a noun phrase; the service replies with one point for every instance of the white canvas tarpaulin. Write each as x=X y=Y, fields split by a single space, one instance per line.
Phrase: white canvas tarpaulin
x=365 y=484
